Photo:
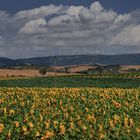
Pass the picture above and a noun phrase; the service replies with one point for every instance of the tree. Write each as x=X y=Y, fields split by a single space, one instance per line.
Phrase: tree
x=66 y=69
x=99 y=69
x=43 y=71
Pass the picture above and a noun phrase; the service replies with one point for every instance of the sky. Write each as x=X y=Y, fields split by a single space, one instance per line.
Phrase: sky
x=35 y=28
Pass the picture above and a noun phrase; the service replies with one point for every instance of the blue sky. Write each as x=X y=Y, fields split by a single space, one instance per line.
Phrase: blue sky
x=121 y=6
x=32 y=28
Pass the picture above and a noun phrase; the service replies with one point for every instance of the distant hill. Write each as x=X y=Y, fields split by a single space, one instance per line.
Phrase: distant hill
x=6 y=62
x=126 y=59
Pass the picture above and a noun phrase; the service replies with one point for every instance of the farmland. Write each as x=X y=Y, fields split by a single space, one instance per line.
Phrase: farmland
x=120 y=81
x=69 y=70
x=105 y=106
x=69 y=113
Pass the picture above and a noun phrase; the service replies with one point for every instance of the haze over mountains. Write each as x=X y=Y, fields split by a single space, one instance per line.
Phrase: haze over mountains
x=126 y=59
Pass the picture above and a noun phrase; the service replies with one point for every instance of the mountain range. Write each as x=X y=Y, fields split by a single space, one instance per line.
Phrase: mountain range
x=123 y=59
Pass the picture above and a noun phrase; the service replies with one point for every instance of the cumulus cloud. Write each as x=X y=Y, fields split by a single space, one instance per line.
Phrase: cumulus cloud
x=63 y=19
x=96 y=7
x=130 y=36
x=51 y=29
x=3 y=15
x=34 y=26
x=40 y=12
x=74 y=10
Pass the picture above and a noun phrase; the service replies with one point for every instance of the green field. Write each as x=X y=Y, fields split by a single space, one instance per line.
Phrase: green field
x=86 y=107
x=69 y=114
x=73 y=81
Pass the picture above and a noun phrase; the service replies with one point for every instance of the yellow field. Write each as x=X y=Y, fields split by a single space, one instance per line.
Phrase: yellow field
x=69 y=113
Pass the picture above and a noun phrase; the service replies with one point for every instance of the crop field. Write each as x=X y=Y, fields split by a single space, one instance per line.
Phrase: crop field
x=72 y=81
x=69 y=113
x=70 y=107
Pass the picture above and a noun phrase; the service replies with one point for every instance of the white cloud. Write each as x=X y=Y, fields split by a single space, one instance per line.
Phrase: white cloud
x=97 y=17
x=34 y=26
x=74 y=10
x=60 y=20
x=123 y=18
x=40 y=12
x=69 y=30
x=3 y=14
x=72 y=35
x=96 y=7
x=130 y=36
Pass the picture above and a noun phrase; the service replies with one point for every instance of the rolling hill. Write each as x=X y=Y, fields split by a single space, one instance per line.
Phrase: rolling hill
x=125 y=59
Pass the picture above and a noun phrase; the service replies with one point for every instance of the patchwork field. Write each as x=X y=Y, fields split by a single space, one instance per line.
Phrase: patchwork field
x=72 y=69
x=12 y=72
x=69 y=113
x=26 y=73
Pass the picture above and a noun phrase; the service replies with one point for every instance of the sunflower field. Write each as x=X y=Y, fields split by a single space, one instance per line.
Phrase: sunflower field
x=69 y=113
